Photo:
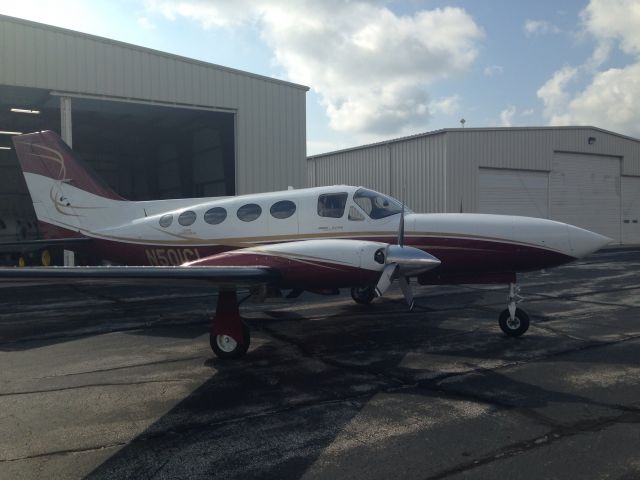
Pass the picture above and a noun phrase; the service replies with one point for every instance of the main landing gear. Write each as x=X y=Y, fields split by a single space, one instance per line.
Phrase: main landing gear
x=514 y=321
x=229 y=337
x=363 y=295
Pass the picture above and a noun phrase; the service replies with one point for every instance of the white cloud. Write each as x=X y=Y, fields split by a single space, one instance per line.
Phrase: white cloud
x=371 y=67
x=539 y=27
x=609 y=101
x=616 y=20
x=82 y=18
x=609 y=97
x=554 y=92
x=145 y=23
x=447 y=105
x=491 y=70
x=506 y=116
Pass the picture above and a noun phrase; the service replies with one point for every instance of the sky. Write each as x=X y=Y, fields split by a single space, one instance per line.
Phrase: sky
x=379 y=69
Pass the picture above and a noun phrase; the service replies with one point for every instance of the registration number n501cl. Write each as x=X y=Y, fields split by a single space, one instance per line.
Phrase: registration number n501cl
x=171 y=256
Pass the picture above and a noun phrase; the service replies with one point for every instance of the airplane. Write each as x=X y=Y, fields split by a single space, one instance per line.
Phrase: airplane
x=315 y=239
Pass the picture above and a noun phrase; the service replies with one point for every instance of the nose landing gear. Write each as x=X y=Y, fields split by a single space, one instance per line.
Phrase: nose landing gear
x=514 y=321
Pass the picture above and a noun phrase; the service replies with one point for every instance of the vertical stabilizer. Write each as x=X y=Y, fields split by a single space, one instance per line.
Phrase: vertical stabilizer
x=45 y=154
x=68 y=196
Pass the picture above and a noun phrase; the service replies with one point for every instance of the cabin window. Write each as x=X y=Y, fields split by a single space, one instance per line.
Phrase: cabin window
x=377 y=205
x=215 y=215
x=187 y=218
x=166 y=220
x=355 y=214
x=249 y=212
x=283 y=209
x=332 y=205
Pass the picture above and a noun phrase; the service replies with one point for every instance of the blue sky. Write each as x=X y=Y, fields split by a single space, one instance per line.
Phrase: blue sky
x=383 y=69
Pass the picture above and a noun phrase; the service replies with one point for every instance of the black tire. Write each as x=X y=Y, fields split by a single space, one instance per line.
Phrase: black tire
x=226 y=347
x=363 y=295
x=518 y=326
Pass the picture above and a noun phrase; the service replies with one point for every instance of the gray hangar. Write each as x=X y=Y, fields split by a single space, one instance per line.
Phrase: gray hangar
x=585 y=176
x=153 y=124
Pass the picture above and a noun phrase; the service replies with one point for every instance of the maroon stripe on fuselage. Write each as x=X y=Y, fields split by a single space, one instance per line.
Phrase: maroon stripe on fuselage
x=458 y=255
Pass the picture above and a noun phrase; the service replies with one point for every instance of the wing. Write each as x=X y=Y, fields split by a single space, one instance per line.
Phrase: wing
x=239 y=276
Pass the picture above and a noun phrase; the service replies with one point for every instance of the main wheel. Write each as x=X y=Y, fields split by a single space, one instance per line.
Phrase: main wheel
x=515 y=327
x=363 y=295
x=225 y=346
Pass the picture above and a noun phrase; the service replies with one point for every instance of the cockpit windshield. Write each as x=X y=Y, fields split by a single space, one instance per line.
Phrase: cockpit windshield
x=377 y=205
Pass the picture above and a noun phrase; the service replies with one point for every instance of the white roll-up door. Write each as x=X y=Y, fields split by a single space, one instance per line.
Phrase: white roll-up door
x=631 y=210
x=584 y=190
x=514 y=192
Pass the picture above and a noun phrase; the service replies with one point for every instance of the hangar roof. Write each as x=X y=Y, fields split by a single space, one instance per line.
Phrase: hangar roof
x=478 y=129
x=108 y=41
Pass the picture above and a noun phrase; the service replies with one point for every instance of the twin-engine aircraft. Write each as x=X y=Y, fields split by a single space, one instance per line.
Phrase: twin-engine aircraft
x=308 y=239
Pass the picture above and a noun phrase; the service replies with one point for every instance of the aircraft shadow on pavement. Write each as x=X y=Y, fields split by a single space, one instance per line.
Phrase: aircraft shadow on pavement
x=275 y=412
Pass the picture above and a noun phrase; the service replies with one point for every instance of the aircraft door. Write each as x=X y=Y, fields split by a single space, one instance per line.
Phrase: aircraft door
x=283 y=218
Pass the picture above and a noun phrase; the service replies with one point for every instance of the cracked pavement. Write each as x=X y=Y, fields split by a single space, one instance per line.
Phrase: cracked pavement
x=119 y=382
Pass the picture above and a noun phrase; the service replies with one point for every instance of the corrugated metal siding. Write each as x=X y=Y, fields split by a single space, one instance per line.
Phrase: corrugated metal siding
x=523 y=149
x=441 y=169
x=413 y=170
x=369 y=167
x=418 y=173
x=576 y=140
x=271 y=130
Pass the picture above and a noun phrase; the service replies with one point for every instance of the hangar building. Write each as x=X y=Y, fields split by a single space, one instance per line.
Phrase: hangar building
x=153 y=124
x=585 y=176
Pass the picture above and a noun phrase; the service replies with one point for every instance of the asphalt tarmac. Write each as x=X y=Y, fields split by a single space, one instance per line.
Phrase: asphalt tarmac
x=119 y=382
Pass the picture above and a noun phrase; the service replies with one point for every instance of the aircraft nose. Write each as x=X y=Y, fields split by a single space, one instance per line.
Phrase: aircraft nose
x=583 y=242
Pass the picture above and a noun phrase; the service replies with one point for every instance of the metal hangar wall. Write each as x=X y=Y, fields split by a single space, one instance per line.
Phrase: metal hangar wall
x=585 y=176
x=155 y=125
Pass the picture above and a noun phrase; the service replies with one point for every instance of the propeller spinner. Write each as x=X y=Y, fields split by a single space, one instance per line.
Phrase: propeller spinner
x=403 y=262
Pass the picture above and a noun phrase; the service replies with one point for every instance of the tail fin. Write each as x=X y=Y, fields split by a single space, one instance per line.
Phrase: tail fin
x=67 y=195
x=45 y=154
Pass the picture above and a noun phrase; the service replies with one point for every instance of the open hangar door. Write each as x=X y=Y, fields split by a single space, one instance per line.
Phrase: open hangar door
x=148 y=152
x=143 y=151
x=584 y=190
x=514 y=192
x=21 y=110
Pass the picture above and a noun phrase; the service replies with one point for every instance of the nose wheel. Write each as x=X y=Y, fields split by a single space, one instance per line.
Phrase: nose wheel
x=514 y=321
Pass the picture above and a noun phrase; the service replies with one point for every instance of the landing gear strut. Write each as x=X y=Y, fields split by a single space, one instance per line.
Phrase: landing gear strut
x=229 y=337
x=514 y=321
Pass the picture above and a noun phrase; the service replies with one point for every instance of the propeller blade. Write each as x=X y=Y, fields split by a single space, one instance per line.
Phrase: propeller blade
x=385 y=279
x=407 y=291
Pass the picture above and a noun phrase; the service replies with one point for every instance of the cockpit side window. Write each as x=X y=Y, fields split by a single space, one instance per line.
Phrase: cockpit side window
x=355 y=215
x=332 y=204
x=377 y=205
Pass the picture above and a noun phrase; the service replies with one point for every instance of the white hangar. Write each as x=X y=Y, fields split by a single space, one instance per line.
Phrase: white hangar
x=153 y=124
x=585 y=176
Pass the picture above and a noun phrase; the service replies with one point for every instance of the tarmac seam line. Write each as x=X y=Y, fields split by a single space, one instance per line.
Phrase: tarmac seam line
x=64 y=452
x=578 y=428
x=93 y=385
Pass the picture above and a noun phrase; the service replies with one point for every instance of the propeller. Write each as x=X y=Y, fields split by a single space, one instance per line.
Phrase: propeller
x=402 y=262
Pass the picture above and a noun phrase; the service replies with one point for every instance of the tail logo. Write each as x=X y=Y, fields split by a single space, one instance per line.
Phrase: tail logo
x=55 y=156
